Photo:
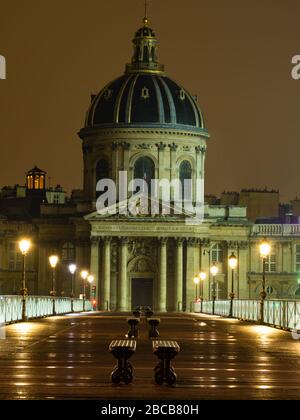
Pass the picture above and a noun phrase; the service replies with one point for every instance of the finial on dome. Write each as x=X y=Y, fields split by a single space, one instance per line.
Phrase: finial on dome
x=145 y=56
x=145 y=20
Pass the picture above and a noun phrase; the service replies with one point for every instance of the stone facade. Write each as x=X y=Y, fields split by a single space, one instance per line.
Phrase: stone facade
x=144 y=259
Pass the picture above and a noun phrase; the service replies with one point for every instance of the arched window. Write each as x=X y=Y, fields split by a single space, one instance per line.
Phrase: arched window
x=185 y=174
x=68 y=252
x=146 y=55
x=137 y=53
x=144 y=168
x=153 y=54
x=297 y=294
x=102 y=172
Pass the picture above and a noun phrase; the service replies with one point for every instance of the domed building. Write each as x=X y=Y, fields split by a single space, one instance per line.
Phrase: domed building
x=145 y=247
x=142 y=114
x=143 y=125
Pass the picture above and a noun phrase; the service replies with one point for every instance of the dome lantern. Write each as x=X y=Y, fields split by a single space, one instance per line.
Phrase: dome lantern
x=145 y=55
x=36 y=179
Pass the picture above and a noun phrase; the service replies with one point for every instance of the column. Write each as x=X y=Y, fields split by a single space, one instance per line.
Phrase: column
x=162 y=281
x=192 y=269
x=94 y=264
x=123 y=287
x=106 y=274
x=178 y=292
x=243 y=270
x=173 y=175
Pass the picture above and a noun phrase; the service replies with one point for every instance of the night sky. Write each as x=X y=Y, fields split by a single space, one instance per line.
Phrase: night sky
x=234 y=54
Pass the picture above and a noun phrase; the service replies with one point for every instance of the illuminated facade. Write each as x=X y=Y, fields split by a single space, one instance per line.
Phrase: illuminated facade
x=146 y=124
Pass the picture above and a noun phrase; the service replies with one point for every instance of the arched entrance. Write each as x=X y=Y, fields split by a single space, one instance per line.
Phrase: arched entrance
x=142 y=279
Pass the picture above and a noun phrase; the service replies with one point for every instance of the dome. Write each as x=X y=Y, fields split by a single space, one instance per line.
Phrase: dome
x=138 y=99
x=144 y=96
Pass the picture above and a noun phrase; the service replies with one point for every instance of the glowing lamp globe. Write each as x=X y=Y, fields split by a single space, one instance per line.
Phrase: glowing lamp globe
x=232 y=261
x=214 y=270
x=72 y=268
x=53 y=260
x=24 y=246
x=84 y=274
x=202 y=276
x=196 y=280
x=265 y=248
x=91 y=279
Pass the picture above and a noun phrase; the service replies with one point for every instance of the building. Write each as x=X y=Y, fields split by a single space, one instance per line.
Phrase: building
x=147 y=125
x=150 y=127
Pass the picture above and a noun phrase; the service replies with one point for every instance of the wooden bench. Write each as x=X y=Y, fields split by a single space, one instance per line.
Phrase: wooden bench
x=122 y=350
x=148 y=312
x=165 y=351
x=154 y=323
x=137 y=313
x=133 y=323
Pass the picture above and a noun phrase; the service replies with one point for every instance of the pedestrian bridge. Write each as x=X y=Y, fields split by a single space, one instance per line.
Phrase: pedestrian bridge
x=38 y=307
x=67 y=357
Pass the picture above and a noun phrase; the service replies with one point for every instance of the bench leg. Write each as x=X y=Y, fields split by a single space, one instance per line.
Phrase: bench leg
x=133 y=332
x=123 y=372
x=164 y=372
x=153 y=333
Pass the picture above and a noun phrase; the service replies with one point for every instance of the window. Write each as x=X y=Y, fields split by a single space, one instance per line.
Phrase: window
x=144 y=168
x=185 y=177
x=271 y=263
x=102 y=172
x=298 y=293
x=30 y=182
x=217 y=254
x=42 y=182
x=68 y=252
x=15 y=257
x=146 y=55
x=153 y=55
x=297 y=259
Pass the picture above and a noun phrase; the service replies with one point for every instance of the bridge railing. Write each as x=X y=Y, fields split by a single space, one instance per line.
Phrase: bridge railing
x=278 y=313
x=37 y=307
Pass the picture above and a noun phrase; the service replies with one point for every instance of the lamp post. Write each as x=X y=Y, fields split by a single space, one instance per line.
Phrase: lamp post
x=233 y=264
x=264 y=249
x=84 y=275
x=202 y=277
x=214 y=271
x=53 y=260
x=196 y=281
x=24 y=246
x=208 y=252
x=90 y=279
x=72 y=269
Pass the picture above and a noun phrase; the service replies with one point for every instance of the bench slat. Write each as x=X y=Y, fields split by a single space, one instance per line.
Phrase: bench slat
x=166 y=344
x=129 y=344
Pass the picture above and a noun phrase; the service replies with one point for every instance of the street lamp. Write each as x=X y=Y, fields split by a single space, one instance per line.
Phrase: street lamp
x=265 y=250
x=53 y=260
x=202 y=277
x=24 y=246
x=196 y=281
x=84 y=275
x=233 y=264
x=90 y=279
x=72 y=269
x=214 y=271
